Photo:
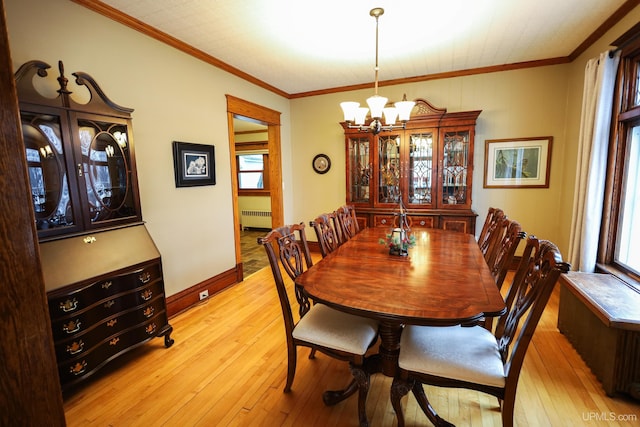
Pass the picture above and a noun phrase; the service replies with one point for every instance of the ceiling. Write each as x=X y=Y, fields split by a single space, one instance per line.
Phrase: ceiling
x=298 y=46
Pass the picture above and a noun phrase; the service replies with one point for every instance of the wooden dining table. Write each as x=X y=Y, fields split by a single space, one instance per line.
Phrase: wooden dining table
x=443 y=281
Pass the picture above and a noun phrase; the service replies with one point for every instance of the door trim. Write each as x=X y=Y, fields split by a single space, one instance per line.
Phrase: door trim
x=239 y=108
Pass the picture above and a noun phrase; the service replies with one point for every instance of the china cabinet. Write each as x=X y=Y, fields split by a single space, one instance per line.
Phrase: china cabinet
x=429 y=164
x=79 y=155
x=101 y=268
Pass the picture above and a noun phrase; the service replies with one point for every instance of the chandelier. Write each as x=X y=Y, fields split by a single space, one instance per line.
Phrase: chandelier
x=355 y=116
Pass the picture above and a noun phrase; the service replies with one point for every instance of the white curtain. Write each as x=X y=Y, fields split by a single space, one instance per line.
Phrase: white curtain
x=597 y=100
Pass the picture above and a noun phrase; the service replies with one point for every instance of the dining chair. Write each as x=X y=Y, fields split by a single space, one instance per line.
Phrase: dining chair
x=326 y=232
x=473 y=357
x=502 y=257
x=498 y=232
x=347 y=222
x=504 y=252
x=337 y=334
x=494 y=215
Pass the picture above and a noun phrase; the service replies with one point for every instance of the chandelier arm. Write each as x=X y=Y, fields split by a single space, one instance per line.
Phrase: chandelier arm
x=367 y=129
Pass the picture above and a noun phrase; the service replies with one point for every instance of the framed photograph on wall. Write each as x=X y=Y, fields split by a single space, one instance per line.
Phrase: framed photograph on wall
x=517 y=162
x=194 y=164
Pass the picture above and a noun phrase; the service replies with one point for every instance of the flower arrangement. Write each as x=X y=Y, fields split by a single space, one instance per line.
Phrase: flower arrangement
x=399 y=241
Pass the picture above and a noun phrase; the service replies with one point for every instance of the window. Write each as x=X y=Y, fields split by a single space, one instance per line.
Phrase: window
x=253 y=173
x=620 y=247
x=627 y=251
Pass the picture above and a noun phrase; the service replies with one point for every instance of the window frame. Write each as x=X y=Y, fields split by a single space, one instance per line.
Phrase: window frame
x=265 y=175
x=626 y=116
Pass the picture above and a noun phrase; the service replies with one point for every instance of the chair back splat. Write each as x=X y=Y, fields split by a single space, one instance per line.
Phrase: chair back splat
x=504 y=252
x=347 y=222
x=498 y=232
x=292 y=252
x=473 y=357
x=488 y=234
x=326 y=232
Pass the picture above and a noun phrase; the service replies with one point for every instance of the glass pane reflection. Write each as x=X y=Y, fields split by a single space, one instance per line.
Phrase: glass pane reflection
x=47 y=171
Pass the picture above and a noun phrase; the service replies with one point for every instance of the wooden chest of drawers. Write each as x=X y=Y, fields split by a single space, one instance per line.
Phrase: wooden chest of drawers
x=106 y=296
x=97 y=321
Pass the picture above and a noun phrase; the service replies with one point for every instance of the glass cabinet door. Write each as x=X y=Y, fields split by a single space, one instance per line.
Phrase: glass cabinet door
x=79 y=156
x=455 y=167
x=389 y=166
x=106 y=168
x=359 y=170
x=421 y=169
x=53 y=198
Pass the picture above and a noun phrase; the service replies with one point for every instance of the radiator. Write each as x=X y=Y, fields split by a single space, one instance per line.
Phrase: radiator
x=255 y=219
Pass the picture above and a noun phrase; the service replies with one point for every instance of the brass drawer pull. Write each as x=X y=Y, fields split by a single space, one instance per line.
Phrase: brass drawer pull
x=78 y=368
x=146 y=295
x=111 y=323
x=71 y=327
x=69 y=305
x=108 y=304
x=114 y=341
x=75 y=347
x=151 y=328
x=148 y=312
x=89 y=239
x=144 y=277
x=107 y=285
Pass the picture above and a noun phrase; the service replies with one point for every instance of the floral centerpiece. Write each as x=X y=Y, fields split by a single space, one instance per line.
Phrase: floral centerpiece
x=400 y=240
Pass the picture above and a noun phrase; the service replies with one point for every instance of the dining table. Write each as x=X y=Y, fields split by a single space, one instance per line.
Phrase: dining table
x=444 y=280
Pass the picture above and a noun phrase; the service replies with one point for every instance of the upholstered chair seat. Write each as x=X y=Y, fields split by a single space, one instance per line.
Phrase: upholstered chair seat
x=461 y=353
x=331 y=328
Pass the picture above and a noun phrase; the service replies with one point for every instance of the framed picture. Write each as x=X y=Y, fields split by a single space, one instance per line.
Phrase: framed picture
x=517 y=163
x=194 y=164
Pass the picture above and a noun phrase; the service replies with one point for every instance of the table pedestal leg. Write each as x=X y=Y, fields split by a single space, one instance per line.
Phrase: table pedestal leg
x=386 y=361
x=361 y=384
x=389 y=347
x=400 y=388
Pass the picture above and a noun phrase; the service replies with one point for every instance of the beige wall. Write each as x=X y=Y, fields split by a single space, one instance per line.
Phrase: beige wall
x=175 y=97
x=180 y=98
x=533 y=102
x=514 y=104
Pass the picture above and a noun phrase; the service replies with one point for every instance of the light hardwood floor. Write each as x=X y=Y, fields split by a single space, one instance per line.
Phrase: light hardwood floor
x=228 y=368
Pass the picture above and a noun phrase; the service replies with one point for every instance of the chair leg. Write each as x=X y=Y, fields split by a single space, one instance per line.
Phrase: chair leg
x=292 y=353
x=312 y=354
x=507 y=411
x=428 y=410
x=399 y=389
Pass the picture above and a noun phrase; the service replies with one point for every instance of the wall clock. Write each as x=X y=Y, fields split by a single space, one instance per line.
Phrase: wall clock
x=321 y=163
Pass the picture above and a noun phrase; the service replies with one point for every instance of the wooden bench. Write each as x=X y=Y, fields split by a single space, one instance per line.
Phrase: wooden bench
x=600 y=315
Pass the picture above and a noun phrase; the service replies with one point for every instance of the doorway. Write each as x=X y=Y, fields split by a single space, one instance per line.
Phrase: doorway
x=241 y=113
x=254 y=198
